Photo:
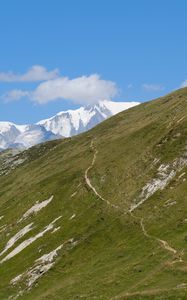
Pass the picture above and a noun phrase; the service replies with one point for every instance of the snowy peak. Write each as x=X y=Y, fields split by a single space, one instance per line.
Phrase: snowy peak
x=64 y=124
x=69 y=122
x=8 y=133
x=22 y=136
x=72 y=122
x=34 y=134
x=116 y=107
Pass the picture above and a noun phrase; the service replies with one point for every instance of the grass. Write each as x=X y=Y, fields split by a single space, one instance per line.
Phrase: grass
x=112 y=257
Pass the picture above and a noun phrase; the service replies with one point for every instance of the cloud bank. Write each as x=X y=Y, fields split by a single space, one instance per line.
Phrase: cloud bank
x=35 y=73
x=80 y=90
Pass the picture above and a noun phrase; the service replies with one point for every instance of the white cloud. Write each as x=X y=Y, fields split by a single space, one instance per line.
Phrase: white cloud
x=130 y=86
x=81 y=90
x=152 y=87
x=15 y=95
x=184 y=84
x=35 y=73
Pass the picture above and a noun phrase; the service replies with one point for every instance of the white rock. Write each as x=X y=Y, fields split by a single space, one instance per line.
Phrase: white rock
x=36 y=208
x=55 y=229
x=72 y=217
x=16 y=237
x=29 y=241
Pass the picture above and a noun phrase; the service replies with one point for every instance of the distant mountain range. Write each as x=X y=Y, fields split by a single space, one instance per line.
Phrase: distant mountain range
x=64 y=124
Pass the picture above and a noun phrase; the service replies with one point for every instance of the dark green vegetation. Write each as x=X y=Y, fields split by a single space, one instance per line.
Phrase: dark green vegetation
x=108 y=252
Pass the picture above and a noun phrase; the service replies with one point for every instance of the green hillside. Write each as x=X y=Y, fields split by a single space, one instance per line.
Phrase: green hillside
x=102 y=215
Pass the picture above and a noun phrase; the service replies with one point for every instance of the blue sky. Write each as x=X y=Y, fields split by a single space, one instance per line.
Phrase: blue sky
x=137 y=49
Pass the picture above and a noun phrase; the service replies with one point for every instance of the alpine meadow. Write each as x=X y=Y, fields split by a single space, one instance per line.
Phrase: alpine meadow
x=101 y=215
x=93 y=150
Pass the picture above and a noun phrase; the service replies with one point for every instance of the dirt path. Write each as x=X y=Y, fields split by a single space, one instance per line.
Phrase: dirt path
x=164 y=244
x=167 y=246
x=88 y=182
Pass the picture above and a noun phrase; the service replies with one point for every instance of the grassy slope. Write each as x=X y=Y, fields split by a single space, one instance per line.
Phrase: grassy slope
x=113 y=256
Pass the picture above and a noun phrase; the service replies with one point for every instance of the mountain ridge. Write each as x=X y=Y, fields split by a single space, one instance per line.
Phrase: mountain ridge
x=63 y=124
x=84 y=118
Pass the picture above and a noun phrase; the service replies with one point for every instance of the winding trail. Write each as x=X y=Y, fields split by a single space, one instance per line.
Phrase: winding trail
x=176 y=255
x=88 y=182
x=164 y=244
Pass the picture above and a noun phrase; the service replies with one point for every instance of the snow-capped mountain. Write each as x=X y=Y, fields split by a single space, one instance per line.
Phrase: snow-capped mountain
x=72 y=122
x=34 y=134
x=64 y=124
x=23 y=136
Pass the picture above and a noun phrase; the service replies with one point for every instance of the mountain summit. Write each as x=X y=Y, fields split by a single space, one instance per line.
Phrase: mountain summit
x=72 y=122
x=64 y=124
